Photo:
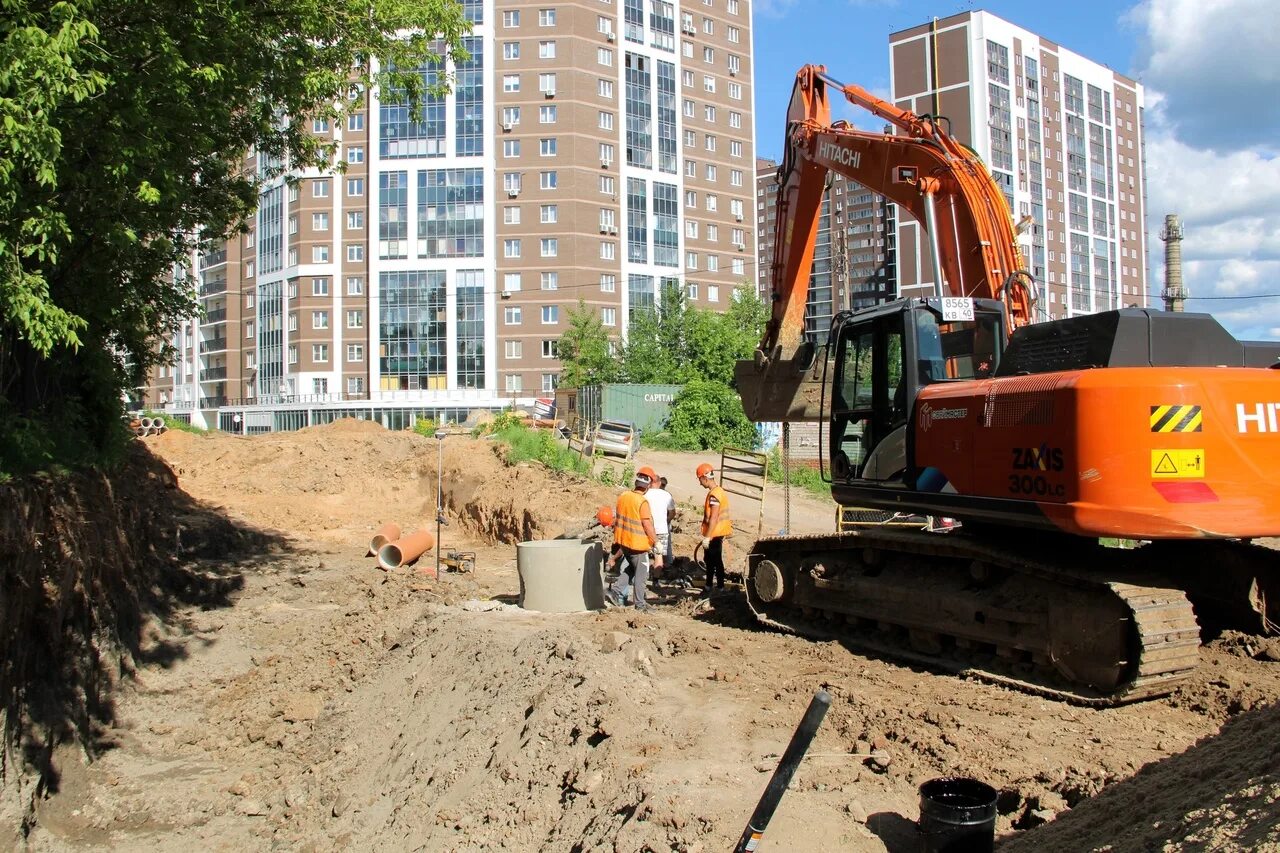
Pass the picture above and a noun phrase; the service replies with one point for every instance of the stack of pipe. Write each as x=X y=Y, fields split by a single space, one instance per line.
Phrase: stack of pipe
x=145 y=426
x=395 y=551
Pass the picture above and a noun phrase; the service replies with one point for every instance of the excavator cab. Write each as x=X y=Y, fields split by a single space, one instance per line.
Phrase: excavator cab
x=882 y=357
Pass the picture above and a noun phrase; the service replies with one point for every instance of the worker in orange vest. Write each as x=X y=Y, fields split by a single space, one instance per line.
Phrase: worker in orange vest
x=634 y=536
x=715 y=525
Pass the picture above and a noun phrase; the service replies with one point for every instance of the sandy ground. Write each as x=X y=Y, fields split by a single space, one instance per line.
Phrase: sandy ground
x=335 y=706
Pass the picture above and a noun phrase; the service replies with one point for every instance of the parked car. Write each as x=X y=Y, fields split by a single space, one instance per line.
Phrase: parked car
x=616 y=438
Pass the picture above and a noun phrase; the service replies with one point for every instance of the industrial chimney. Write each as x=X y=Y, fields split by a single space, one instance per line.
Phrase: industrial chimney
x=1174 y=294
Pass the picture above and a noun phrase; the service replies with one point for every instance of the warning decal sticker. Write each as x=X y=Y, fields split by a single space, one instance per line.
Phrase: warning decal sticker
x=1175 y=419
x=1177 y=464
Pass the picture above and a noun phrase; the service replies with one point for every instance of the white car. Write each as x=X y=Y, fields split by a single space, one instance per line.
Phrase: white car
x=616 y=438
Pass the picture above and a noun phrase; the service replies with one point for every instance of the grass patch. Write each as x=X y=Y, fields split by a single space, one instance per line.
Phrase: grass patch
x=529 y=445
x=661 y=441
x=802 y=476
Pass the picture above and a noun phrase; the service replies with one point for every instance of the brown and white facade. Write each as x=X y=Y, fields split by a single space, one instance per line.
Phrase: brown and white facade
x=590 y=152
x=1063 y=137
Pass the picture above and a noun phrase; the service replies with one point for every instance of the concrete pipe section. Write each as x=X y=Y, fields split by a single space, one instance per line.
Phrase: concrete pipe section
x=388 y=532
x=561 y=575
x=404 y=551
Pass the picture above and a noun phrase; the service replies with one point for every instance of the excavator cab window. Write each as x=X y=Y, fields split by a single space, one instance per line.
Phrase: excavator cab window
x=871 y=399
x=956 y=349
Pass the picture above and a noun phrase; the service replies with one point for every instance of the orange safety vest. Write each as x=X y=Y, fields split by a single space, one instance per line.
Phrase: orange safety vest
x=724 y=527
x=628 y=523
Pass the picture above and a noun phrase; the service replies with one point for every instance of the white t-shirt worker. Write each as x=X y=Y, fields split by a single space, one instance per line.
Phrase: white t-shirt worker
x=663 y=507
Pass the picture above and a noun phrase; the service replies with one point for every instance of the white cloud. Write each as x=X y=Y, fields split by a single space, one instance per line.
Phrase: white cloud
x=1211 y=126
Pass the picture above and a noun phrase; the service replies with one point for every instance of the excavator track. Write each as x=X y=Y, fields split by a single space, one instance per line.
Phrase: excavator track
x=1096 y=626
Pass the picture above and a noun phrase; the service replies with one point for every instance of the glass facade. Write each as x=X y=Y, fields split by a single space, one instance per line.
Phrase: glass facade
x=637 y=221
x=640 y=296
x=403 y=135
x=666 y=225
x=271 y=230
x=451 y=213
x=666 y=117
x=412 y=326
x=393 y=215
x=470 y=329
x=270 y=306
x=469 y=101
x=639 y=112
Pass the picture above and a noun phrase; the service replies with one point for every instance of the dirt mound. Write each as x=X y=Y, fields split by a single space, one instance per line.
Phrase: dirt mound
x=1221 y=794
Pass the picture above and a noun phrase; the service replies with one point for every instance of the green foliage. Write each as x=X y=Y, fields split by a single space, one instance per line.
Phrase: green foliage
x=584 y=351
x=538 y=445
x=125 y=129
x=802 y=476
x=658 y=440
x=707 y=415
x=425 y=427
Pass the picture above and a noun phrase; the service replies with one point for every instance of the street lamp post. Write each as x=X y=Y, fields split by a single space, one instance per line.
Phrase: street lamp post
x=439 y=493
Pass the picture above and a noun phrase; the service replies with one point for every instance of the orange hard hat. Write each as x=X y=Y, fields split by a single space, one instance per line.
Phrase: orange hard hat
x=705 y=470
x=646 y=471
x=604 y=515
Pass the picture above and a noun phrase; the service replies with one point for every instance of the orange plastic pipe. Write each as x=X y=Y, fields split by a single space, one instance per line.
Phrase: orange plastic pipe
x=393 y=555
x=388 y=532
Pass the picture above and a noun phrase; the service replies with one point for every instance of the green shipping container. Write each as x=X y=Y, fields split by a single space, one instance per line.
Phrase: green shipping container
x=646 y=406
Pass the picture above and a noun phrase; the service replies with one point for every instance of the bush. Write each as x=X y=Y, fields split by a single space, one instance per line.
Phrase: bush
x=425 y=427
x=802 y=476
x=708 y=415
x=530 y=445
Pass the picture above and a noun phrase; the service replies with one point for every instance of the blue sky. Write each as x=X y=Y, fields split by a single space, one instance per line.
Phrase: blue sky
x=1212 y=117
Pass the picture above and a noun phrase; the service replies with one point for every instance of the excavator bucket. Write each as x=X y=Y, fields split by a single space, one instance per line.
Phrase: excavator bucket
x=782 y=389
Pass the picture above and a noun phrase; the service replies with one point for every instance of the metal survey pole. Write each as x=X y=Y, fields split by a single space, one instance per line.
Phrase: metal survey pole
x=439 y=492
x=799 y=745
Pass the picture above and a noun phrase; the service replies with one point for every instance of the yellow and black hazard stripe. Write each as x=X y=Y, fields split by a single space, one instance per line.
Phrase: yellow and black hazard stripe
x=1175 y=419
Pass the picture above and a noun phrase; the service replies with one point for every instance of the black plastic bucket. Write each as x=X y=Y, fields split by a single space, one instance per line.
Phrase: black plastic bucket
x=957 y=816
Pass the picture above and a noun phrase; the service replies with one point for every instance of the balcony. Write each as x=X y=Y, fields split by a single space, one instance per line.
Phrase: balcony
x=212 y=402
x=212 y=259
x=216 y=316
x=213 y=288
x=213 y=374
x=213 y=345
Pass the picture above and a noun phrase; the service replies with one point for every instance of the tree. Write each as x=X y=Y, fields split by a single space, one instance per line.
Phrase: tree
x=584 y=350
x=708 y=415
x=126 y=130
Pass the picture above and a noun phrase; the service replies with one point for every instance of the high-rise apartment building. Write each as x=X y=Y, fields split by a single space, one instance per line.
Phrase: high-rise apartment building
x=1063 y=137
x=853 y=263
x=589 y=153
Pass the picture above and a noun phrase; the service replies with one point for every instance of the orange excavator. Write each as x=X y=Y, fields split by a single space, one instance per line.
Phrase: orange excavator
x=1108 y=471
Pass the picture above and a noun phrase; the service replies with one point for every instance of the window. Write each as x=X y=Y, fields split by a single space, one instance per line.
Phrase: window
x=511 y=214
x=293 y=290
x=547 y=83
x=735 y=177
x=355 y=352
x=686 y=50
x=549 y=214
x=511 y=148
x=606 y=153
x=690 y=199
x=319 y=222
x=293 y=322
x=708 y=83
x=511 y=182
x=686 y=79
x=608 y=250
x=732 y=6
x=713 y=201
x=355 y=385
x=549 y=382
x=355 y=252
x=511 y=315
x=604 y=57
x=709 y=142
x=604 y=88
x=607 y=185
x=608 y=283
x=709 y=112
x=248 y=330
x=319 y=189
x=510 y=282
x=355 y=220
x=320 y=353
x=550 y=247
x=511 y=248
x=355 y=153
x=739 y=268
x=355 y=319
x=713 y=292
x=355 y=286
x=511 y=82
x=691 y=229
x=605 y=120
x=550 y=281
x=511 y=115
x=514 y=383
x=511 y=19
x=547 y=180
x=713 y=263
x=713 y=232
x=691 y=290
x=735 y=119
x=735 y=148
x=293 y=224
x=320 y=125
x=513 y=349
x=547 y=114
x=511 y=50
x=711 y=172
x=691 y=168
x=319 y=255
x=688 y=107
x=708 y=26
x=550 y=314
x=608 y=316
x=319 y=319
x=355 y=186
x=690 y=139
x=550 y=348
x=735 y=91
x=546 y=50
x=734 y=64
x=708 y=54
x=547 y=147
x=691 y=260
x=735 y=35
x=546 y=17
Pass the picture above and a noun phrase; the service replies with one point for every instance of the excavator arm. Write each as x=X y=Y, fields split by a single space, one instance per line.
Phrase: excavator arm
x=933 y=177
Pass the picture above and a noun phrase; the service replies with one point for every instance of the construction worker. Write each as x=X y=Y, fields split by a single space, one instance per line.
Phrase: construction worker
x=663 y=507
x=715 y=525
x=634 y=535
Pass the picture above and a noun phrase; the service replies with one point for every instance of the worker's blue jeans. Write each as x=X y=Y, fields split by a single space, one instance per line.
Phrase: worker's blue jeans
x=635 y=575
